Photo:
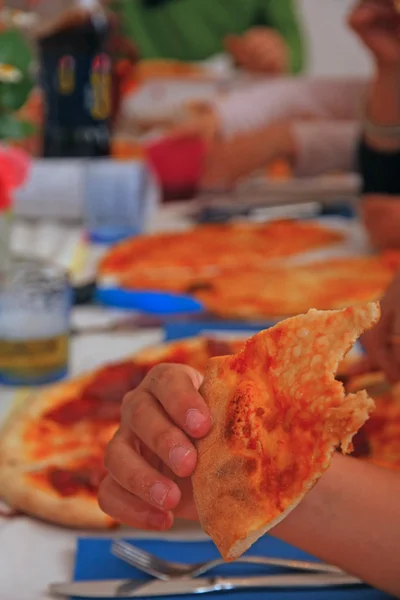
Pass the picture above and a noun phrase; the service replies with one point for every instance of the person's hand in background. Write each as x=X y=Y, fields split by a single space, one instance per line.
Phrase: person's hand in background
x=230 y=160
x=382 y=343
x=381 y=216
x=151 y=457
x=259 y=50
x=377 y=23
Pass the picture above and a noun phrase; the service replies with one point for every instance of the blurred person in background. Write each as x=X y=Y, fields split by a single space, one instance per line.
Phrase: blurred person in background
x=262 y=36
x=310 y=123
x=315 y=126
x=377 y=23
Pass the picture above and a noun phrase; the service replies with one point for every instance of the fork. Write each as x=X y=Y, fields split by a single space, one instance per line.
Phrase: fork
x=166 y=569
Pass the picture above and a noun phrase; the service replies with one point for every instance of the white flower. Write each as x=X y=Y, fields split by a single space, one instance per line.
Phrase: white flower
x=9 y=74
x=17 y=18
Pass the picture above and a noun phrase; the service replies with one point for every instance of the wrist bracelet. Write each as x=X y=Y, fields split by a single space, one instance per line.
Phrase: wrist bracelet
x=388 y=132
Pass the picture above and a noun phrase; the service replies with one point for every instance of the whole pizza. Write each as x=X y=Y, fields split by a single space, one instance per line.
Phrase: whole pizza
x=176 y=261
x=246 y=270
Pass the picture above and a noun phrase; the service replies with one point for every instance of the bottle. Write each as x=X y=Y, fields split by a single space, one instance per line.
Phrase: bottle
x=76 y=78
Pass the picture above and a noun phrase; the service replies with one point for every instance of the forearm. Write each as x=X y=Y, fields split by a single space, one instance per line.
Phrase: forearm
x=352 y=519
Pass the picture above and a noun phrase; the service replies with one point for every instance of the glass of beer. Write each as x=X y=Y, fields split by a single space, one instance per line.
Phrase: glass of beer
x=35 y=303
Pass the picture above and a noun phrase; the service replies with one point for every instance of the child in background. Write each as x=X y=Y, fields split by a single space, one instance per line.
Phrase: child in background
x=261 y=35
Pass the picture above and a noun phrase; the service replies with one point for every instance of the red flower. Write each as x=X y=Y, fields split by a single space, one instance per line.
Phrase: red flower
x=5 y=197
x=14 y=169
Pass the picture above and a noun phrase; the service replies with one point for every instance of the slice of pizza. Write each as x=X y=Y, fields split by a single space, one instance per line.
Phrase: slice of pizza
x=64 y=491
x=279 y=414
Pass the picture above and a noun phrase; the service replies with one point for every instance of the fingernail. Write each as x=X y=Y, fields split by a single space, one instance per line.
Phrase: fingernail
x=194 y=420
x=157 y=520
x=177 y=455
x=158 y=493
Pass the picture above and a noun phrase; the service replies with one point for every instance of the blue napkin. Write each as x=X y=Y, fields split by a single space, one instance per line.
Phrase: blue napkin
x=180 y=330
x=94 y=561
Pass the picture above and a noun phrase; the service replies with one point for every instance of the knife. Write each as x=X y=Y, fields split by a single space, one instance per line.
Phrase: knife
x=138 y=588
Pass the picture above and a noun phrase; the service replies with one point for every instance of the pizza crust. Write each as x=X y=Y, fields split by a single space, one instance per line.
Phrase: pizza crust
x=14 y=447
x=290 y=365
x=75 y=511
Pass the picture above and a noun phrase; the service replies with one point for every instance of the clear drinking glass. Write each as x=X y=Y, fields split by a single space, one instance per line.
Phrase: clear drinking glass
x=35 y=304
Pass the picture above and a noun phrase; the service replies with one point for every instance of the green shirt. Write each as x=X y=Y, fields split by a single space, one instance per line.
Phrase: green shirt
x=192 y=30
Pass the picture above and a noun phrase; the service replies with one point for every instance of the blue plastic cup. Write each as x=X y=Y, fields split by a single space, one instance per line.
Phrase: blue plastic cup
x=120 y=199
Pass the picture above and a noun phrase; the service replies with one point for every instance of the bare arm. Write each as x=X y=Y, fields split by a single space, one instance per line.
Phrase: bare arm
x=352 y=519
x=311 y=147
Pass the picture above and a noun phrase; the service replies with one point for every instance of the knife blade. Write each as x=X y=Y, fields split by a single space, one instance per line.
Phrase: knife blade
x=137 y=588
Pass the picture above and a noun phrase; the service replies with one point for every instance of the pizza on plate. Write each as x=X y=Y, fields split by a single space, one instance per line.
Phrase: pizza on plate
x=249 y=271
x=177 y=261
x=52 y=447
x=279 y=414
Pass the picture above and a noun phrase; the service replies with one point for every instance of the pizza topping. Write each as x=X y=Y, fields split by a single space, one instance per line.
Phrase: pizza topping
x=112 y=382
x=72 y=411
x=101 y=399
x=69 y=482
x=199 y=286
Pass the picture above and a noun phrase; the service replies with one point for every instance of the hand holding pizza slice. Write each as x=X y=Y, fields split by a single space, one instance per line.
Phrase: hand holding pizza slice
x=263 y=453
x=279 y=415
